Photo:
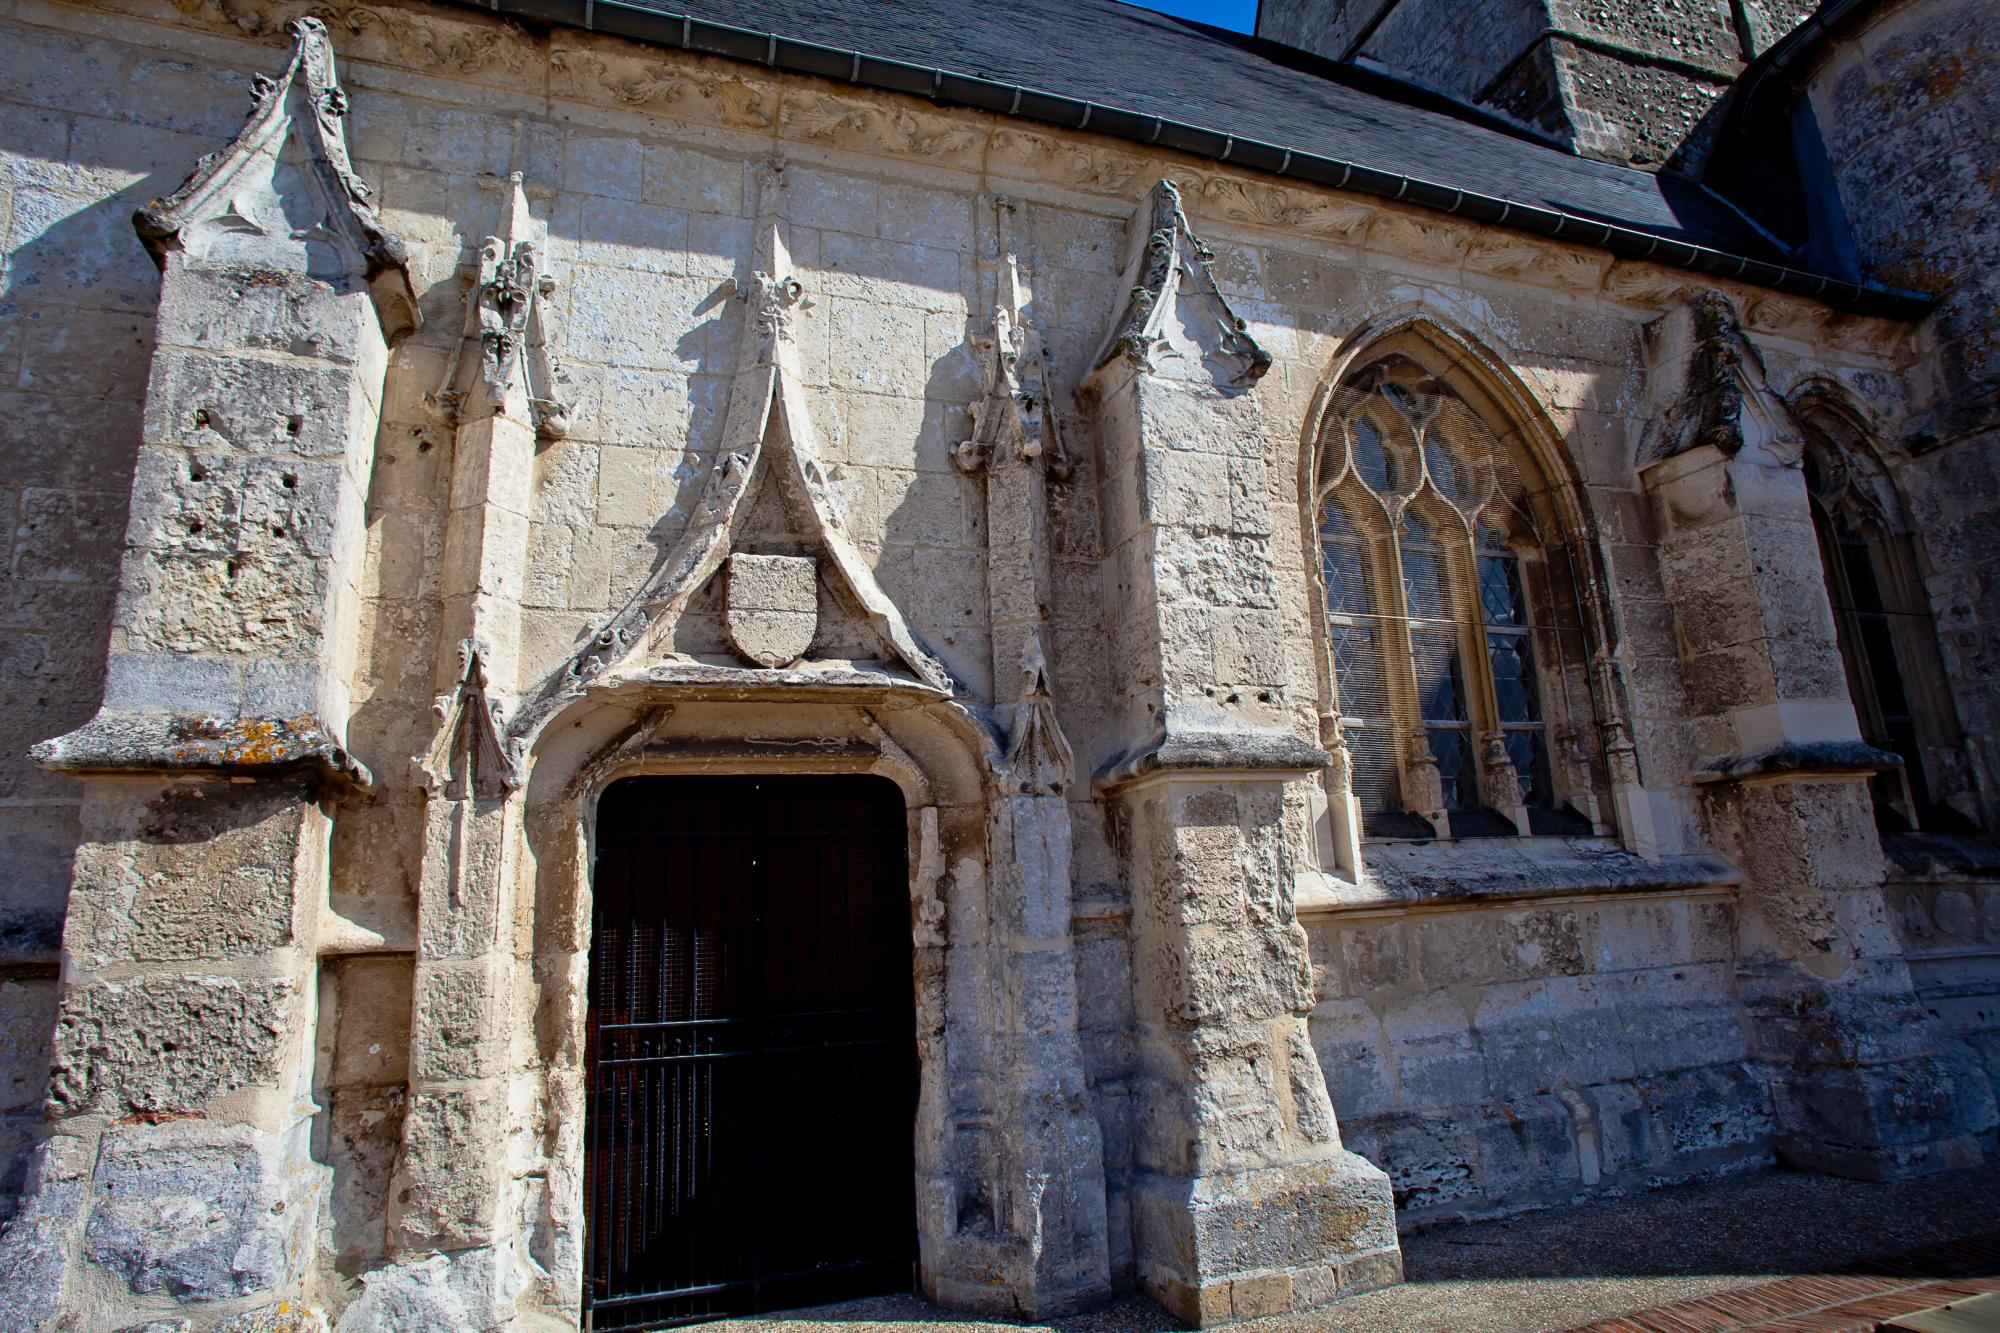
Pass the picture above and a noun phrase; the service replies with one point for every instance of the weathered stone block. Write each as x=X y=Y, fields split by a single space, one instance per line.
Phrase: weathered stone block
x=169 y=1044
x=193 y=1212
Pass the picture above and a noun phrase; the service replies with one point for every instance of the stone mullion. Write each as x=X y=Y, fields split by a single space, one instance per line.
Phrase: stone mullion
x=1417 y=768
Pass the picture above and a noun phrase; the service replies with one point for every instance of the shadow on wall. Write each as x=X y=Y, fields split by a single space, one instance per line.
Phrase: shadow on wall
x=76 y=341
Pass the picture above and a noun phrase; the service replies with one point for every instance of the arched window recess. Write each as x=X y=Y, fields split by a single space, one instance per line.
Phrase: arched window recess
x=1455 y=645
x=1882 y=622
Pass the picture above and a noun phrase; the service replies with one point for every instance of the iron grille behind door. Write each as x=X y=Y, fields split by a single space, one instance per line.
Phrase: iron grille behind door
x=751 y=1048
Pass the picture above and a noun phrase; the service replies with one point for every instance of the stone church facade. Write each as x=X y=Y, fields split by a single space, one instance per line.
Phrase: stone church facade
x=1384 y=695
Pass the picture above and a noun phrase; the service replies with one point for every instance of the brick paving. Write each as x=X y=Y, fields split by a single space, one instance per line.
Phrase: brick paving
x=1856 y=1300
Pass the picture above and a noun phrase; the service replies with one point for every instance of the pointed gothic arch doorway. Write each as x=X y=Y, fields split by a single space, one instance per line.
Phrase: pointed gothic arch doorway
x=750 y=1050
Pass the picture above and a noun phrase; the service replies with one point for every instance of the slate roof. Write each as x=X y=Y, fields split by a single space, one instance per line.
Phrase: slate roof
x=1266 y=103
x=1122 y=56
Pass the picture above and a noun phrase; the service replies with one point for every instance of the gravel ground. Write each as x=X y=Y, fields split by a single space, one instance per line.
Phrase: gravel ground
x=1552 y=1270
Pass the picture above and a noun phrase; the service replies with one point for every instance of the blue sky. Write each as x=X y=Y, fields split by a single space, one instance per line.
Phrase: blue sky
x=1238 y=14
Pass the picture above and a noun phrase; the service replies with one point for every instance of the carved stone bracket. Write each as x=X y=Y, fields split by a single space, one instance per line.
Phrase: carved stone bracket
x=1039 y=759
x=1014 y=420
x=304 y=102
x=470 y=755
x=1174 y=267
x=504 y=355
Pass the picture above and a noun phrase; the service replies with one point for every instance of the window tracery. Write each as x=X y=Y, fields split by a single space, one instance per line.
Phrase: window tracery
x=1453 y=636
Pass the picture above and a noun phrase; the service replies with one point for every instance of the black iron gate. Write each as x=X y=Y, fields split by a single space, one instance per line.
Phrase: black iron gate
x=751 y=1050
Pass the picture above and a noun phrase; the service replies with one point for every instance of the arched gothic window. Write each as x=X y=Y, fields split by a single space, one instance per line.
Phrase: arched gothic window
x=1452 y=634
x=1882 y=620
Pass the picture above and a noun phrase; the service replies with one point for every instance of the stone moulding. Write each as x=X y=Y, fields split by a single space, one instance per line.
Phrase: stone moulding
x=1173 y=257
x=1796 y=760
x=259 y=747
x=350 y=219
x=1278 y=753
x=1400 y=877
x=768 y=428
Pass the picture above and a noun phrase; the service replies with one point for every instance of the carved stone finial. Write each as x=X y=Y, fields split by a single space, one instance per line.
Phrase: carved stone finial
x=1174 y=267
x=231 y=200
x=504 y=363
x=1013 y=421
x=1039 y=759
x=470 y=756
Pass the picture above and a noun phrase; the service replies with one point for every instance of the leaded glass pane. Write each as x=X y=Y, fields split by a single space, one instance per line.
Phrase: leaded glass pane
x=1423 y=571
x=1440 y=683
x=1529 y=751
x=1500 y=590
x=1357 y=671
x=1448 y=472
x=1343 y=568
x=1515 y=695
x=1371 y=460
x=1452 y=748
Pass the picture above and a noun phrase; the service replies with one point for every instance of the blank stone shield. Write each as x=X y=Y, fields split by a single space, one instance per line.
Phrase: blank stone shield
x=772 y=609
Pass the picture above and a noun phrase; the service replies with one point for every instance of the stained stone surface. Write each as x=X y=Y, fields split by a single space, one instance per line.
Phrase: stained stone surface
x=514 y=409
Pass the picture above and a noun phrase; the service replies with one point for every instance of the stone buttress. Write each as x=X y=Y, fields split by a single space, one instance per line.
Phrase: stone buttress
x=1244 y=1202
x=184 y=1048
x=1863 y=1082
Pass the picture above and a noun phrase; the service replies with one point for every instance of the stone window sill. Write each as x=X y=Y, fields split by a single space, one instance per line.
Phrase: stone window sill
x=1493 y=870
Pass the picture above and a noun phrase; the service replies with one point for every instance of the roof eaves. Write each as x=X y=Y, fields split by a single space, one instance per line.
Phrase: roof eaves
x=794 y=55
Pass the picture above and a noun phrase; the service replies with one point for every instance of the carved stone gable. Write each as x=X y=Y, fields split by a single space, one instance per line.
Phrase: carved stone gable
x=1175 y=317
x=772 y=606
x=284 y=194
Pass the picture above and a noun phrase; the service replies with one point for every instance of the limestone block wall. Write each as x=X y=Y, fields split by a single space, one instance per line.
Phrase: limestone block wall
x=1944 y=903
x=1497 y=1057
x=1486 y=1056
x=78 y=153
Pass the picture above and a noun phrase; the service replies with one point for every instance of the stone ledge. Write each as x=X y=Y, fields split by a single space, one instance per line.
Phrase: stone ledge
x=1246 y=751
x=1499 y=870
x=1796 y=760
x=1944 y=855
x=241 y=746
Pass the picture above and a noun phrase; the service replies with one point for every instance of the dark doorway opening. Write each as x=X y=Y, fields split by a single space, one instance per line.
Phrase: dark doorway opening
x=751 y=1049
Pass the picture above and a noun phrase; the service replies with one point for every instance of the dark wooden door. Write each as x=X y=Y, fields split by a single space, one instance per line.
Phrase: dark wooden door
x=751 y=1050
